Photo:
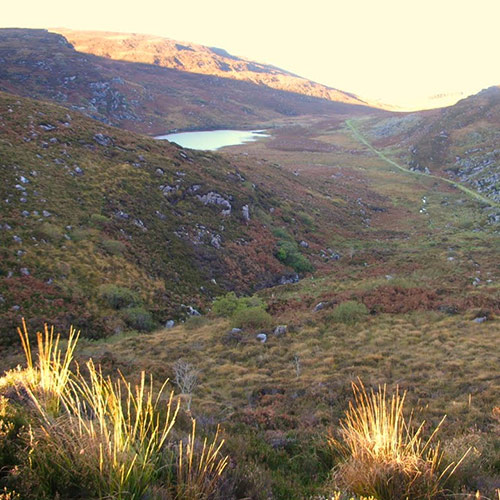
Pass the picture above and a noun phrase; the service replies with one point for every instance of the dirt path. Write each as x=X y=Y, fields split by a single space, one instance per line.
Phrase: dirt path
x=381 y=155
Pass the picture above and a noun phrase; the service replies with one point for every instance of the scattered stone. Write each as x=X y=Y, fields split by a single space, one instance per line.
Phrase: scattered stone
x=47 y=126
x=262 y=337
x=17 y=239
x=481 y=319
x=25 y=213
x=320 y=306
x=389 y=277
x=169 y=324
x=304 y=244
x=25 y=271
x=103 y=140
x=46 y=213
x=213 y=198
x=122 y=215
x=19 y=187
x=216 y=241
x=193 y=312
x=160 y=215
x=23 y=179
x=78 y=171
x=159 y=171
x=16 y=308
x=246 y=212
x=235 y=330
x=288 y=280
x=280 y=330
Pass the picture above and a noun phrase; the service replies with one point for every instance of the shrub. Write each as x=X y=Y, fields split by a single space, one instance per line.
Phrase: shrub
x=50 y=232
x=80 y=234
x=98 y=220
x=230 y=304
x=118 y=297
x=289 y=253
x=252 y=317
x=349 y=312
x=113 y=247
x=384 y=456
x=195 y=322
x=139 y=319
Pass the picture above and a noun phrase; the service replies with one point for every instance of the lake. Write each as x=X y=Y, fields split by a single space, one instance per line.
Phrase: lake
x=212 y=140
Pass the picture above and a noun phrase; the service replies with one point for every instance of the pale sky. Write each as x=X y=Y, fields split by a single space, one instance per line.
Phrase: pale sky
x=397 y=51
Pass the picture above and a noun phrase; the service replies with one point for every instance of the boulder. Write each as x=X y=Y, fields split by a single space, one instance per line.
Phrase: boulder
x=262 y=337
x=280 y=330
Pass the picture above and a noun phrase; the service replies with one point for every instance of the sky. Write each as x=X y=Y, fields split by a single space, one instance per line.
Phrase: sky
x=400 y=52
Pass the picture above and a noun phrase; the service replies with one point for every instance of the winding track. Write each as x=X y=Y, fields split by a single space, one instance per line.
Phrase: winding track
x=381 y=155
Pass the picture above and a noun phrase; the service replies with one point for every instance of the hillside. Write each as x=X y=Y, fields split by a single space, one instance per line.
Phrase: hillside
x=459 y=142
x=194 y=58
x=144 y=97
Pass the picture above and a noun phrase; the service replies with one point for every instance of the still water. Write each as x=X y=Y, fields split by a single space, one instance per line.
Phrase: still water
x=213 y=139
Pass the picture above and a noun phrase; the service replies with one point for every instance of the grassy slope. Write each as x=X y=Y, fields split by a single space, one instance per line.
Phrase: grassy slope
x=107 y=221
x=423 y=276
x=458 y=143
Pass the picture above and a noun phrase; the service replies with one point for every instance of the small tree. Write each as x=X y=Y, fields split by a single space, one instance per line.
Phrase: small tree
x=186 y=379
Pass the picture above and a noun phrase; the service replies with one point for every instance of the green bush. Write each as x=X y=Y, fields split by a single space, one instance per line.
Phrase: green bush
x=288 y=253
x=195 y=322
x=139 y=319
x=98 y=220
x=229 y=304
x=113 y=247
x=253 y=318
x=349 y=312
x=80 y=234
x=118 y=297
x=50 y=232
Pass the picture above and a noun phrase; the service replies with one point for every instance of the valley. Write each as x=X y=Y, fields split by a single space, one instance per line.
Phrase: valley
x=349 y=244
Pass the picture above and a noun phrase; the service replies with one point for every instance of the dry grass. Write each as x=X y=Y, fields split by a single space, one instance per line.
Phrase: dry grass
x=107 y=439
x=384 y=456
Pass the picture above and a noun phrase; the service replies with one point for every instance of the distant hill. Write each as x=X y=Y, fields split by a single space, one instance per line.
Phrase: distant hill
x=195 y=58
x=147 y=97
x=460 y=142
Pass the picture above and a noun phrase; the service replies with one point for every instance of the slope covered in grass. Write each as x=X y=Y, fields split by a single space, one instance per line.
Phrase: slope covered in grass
x=104 y=229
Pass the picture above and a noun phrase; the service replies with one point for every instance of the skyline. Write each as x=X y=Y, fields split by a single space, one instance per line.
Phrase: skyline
x=391 y=51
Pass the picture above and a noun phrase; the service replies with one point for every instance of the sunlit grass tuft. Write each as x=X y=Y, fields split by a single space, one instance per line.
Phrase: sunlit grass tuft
x=384 y=456
x=95 y=437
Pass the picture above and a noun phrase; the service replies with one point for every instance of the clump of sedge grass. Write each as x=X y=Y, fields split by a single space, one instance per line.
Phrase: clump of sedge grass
x=384 y=456
x=94 y=437
x=199 y=471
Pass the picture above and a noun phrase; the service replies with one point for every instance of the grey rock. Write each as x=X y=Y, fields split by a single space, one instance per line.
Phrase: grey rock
x=16 y=308
x=319 y=306
x=24 y=271
x=19 y=187
x=213 y=198
x=235 y=330
x=103 y=140
x=23 y=179
x=193 y=312
x=170 y=324
x=78 y=171
x=304 y=244
x=481 y=319
x=246 y=212
x=216 y=241
x=262 y=337
x=46 y=213
x=280 y=330
x=159 y=171
x=17 y=239
x=25 y=213
x=288 y=280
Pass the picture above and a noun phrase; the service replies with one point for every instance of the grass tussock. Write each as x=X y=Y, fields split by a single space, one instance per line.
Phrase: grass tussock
x=92 y=437
x=384 y=456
